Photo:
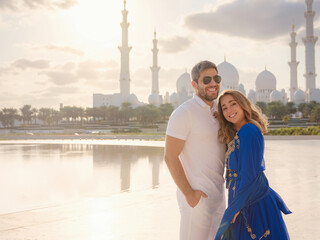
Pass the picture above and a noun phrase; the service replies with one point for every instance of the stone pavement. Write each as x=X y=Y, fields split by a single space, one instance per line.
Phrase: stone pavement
x=148 y=214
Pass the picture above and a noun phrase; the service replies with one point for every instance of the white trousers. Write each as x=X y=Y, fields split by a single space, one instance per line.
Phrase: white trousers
x=202 y=221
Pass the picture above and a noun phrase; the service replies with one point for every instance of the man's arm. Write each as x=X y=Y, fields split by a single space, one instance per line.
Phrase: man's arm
x=173 y=148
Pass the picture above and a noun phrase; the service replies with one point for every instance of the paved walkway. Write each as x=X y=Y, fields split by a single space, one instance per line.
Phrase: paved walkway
x=149 y=214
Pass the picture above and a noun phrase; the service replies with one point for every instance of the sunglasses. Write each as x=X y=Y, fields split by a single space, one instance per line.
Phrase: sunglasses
x=207 y=79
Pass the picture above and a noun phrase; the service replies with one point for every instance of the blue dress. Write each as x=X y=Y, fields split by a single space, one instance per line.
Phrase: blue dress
x=249 y=192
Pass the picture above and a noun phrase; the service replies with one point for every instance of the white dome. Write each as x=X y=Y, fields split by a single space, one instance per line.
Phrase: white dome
x=133 y=99
x=174 y=98
x=299 y=96
x=252 y=95
x=154 y=99
x=229 y=75
x=275 y=96
x=241 y=89
x=184 y=81
x=266 y=81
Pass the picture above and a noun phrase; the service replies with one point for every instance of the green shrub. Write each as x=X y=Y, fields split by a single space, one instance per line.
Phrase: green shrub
x=295 y=131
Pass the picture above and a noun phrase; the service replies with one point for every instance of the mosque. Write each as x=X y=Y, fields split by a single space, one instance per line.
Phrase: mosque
x=265 y=83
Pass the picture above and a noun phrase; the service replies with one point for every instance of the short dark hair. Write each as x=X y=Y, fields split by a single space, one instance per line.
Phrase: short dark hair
x=200 y=67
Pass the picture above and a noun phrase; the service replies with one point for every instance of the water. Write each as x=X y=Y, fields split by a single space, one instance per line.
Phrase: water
x=88 y=190
x=37 y=175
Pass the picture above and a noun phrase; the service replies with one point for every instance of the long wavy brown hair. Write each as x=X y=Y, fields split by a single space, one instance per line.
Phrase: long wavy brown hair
x=252 y=113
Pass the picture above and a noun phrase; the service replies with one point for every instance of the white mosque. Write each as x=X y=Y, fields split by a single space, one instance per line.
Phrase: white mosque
x=265 y=84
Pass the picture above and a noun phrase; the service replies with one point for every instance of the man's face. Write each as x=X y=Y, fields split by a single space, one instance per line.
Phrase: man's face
x=207 y=92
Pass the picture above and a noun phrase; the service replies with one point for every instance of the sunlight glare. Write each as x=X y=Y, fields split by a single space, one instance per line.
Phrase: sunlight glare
x=97 y=21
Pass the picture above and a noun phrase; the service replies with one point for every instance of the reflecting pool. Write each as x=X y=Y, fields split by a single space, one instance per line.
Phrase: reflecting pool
x=34 y=175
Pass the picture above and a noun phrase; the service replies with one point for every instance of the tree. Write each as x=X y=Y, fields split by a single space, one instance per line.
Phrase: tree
x=306 y=108
x=45 y=115
x=290 y=108
x=93 y=113
x=303 y=108
x=166 y=110
x=72 y=113
x=285 y=119
x=126 y=111
x=315 y=114
x=103 y=112
x=262 y=106
x=113 y=113
x=26 y=113
x=34 y=114
x=55 y=116
x=276 y=110
x=8 y=116
x=148 y=113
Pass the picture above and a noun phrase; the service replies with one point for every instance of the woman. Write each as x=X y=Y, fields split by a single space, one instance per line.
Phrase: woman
x=253 y=207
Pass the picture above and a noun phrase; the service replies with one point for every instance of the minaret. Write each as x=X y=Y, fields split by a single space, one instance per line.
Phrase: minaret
x=309 y=41
x=293 y=65
x=155 y=68
x=124 y=50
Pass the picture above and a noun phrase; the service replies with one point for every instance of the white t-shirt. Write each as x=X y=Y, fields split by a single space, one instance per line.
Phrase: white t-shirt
x=202 y=156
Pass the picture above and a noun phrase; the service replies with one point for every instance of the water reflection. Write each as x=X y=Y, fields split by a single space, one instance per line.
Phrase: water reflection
x=40 y=174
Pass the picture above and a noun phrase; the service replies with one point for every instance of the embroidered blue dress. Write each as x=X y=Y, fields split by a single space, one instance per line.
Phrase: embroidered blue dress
x=249 y=192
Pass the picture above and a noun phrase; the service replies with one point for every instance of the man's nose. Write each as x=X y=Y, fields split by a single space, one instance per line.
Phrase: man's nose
x=213 y=83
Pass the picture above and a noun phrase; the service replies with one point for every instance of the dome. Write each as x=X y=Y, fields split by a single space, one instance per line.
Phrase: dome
x=299 y=96
x=133 y=99
x=154 y=99
x=184 y=81
x=252 y=96
x=241 y=89
x=174 y=98
x=266 y=81
x=275 y=96
x=229 y=75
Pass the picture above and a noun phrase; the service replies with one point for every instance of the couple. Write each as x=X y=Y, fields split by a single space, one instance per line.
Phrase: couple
x=200 y=143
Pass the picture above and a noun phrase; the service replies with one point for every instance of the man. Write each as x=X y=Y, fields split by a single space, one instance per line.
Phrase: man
x=195 y=158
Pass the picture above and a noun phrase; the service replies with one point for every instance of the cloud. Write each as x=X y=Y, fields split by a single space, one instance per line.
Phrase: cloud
x=25 y=64
x=262 y=20
x=60 y=77
x=18 y=5
x=175 y=44
x=92 y=69
x=4 y=71
x=142 y=77
x=5 y=4
x=64 y=49
x=68 y=66
x=59 y=90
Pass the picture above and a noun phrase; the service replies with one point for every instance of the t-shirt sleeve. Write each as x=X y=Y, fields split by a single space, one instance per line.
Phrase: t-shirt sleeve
x=179 y=124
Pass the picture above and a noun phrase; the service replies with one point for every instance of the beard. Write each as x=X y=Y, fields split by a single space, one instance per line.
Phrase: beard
x=204 y=95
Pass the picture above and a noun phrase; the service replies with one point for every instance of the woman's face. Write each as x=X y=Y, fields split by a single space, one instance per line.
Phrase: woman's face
x=232 y=111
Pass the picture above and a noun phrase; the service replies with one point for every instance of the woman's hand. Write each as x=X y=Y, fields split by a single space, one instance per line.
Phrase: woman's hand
x=235 y=217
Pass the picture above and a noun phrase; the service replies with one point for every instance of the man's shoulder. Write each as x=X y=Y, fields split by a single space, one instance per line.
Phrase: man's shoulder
x=184 y=107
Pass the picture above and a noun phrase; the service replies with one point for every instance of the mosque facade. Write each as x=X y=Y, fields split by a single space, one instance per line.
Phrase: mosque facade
x=265 y=83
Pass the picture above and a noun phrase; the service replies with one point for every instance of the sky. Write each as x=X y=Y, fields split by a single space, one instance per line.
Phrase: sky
x=63 y=51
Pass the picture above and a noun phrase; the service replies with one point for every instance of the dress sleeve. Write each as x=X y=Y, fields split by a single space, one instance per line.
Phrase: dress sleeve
x=250 y=154
x=179 y=124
